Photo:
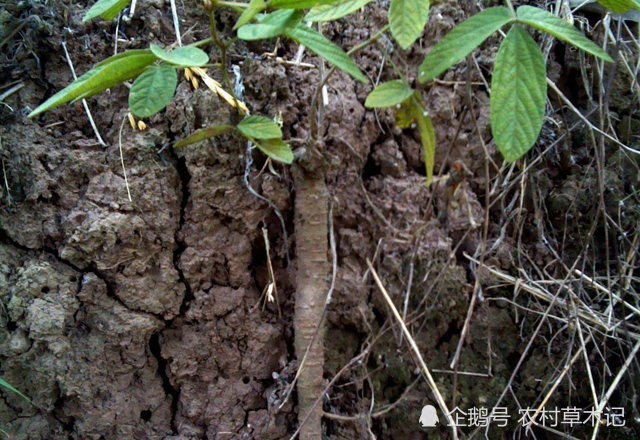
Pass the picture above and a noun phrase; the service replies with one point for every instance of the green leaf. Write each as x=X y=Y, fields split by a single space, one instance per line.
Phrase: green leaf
x=324 y=48
x=428 y=140
x=107 y=9
x=518 y=94
x=110 y=72
x=254 y=8
x=259 y=127
x=620 y=6
x=388 y=94
x=7 y=385
x=187 y=56
x=271 y=26
x=153 y=90
x=205 y=133
x=559 y=28
x=130 y=54
x=407 y=19
x=461 y=41
x=298 y=4
x=276 y=149
x=124 y=55
x=335 y=11
x=251 y=32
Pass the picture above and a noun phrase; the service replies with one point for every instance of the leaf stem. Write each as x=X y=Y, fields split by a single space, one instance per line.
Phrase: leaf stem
x=314 y=102
x=233 y=4
x=371 y=40
x=202 y=42
x=394 y=66
x=418 y=103
x=511 y=8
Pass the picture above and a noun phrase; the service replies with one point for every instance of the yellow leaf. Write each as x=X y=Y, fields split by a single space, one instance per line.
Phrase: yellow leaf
x=132 y=120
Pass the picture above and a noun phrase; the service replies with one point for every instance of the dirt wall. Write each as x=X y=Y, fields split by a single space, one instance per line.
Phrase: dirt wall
x=144 y=319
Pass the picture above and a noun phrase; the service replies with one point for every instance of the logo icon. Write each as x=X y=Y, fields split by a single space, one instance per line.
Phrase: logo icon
x=429 y=417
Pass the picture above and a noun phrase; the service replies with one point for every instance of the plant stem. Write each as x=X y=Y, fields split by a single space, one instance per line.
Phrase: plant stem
x=311 y=225
x=218 y=65
x=223 y=54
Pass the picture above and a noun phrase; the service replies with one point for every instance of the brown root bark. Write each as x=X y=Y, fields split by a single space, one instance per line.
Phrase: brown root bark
x=313 y=268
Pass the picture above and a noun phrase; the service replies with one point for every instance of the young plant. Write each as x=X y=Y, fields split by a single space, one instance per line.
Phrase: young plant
x=154 y=72
x=517 y=109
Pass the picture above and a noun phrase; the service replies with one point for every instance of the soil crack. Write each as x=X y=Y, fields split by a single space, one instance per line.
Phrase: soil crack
x=5 y=238
x=154 y=341
x=156 y=351
x=185 y=178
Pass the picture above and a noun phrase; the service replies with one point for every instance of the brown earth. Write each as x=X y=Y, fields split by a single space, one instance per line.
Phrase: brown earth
x=144 y=319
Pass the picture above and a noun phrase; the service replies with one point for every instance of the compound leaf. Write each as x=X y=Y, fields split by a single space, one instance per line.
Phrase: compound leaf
x=461 y=41
x=276 y=149
x=407 y=19
x=620 y=6
x=259 y=127
x=204 y=134
x=559 y=28
x=108 y=73
x=254 y=8
x=298 y=4
x=106 y=9
x=518 y=94
x=388 y=94
x=153 y=90
x=271 y=25
x=335 y=11
x=324 y=48
x=187 y=56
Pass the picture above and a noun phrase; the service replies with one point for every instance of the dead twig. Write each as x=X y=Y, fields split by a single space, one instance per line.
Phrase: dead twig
x=13 y=33
x=423 y=366
x=84 y=101
x=124 y=170
x=176 y=22
x=11 y=91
